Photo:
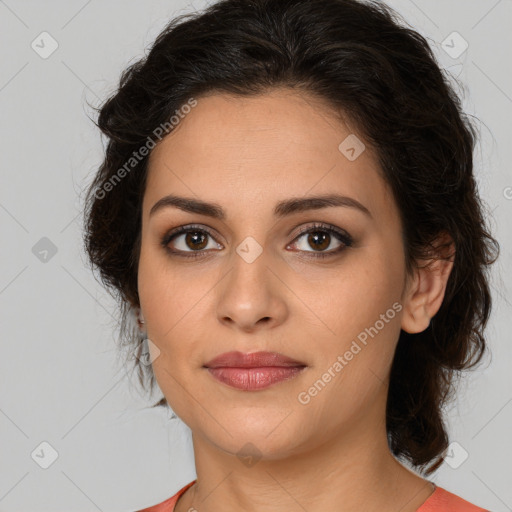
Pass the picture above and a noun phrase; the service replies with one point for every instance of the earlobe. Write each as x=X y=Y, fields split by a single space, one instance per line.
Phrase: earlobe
x=140 y=318
x=428 y=288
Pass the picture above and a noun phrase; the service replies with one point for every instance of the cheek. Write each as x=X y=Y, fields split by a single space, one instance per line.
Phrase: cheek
x=174 y=304
x=164 y=293
x=354 y=295
x=358 y=312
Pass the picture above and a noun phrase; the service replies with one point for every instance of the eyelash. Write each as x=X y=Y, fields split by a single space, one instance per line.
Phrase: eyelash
x=342 y=236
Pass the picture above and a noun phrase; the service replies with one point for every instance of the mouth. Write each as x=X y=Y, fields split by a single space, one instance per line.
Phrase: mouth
x=255 y=371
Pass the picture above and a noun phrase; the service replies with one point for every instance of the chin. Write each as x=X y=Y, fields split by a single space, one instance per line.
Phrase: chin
x=263 y=441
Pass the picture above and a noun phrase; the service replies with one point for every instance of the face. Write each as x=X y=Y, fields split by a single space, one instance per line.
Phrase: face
x=320 y=284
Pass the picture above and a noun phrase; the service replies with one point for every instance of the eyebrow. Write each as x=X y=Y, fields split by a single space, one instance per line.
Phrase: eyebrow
x=282 y=209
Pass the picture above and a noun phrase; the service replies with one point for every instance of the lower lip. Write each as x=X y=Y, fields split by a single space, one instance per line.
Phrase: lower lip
x=251 y=379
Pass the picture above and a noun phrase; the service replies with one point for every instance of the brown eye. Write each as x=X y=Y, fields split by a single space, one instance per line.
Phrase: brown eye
x=195 y=240
x=320 y=237
x=192 y=241
x=189 y=241
x=319 y=240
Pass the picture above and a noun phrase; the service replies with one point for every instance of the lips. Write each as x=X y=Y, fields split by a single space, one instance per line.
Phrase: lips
x=255 y=371
x=254 y=379
x=253 y=360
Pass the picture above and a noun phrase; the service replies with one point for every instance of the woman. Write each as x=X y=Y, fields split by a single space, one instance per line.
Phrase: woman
x=288 y=203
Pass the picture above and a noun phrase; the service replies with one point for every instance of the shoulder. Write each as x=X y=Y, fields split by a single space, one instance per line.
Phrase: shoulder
x=442 y=500
x=169 y=504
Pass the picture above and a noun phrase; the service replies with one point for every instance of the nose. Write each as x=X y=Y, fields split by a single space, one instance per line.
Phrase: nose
x=251 y=296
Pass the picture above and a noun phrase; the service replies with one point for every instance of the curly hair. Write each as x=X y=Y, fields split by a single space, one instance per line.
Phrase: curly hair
x=367 y=65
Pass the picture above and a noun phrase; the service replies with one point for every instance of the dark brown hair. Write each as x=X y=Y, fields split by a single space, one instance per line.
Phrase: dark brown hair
x=365 y=63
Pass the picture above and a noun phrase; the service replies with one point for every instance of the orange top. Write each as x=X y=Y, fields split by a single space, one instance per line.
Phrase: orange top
x=440 y=500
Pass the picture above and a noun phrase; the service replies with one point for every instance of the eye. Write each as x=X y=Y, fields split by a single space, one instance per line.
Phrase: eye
x=192 y=241
x=321 y=237
x=189 y=239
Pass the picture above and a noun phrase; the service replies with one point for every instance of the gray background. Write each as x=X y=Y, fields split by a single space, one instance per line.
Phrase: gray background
x=61 y=379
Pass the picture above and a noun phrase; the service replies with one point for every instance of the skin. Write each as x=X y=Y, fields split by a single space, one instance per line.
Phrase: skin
x=246 y=154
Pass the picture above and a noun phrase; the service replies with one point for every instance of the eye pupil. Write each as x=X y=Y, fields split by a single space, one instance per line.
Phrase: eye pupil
x=315 y=236
x=192 y=236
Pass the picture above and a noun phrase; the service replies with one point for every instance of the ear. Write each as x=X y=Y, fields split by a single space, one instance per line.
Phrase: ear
x=426 y=291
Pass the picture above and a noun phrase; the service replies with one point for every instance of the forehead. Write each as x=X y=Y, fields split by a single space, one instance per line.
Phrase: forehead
x=251 y=150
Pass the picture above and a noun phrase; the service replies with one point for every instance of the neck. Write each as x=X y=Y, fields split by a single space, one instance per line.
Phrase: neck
x=346 y=471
